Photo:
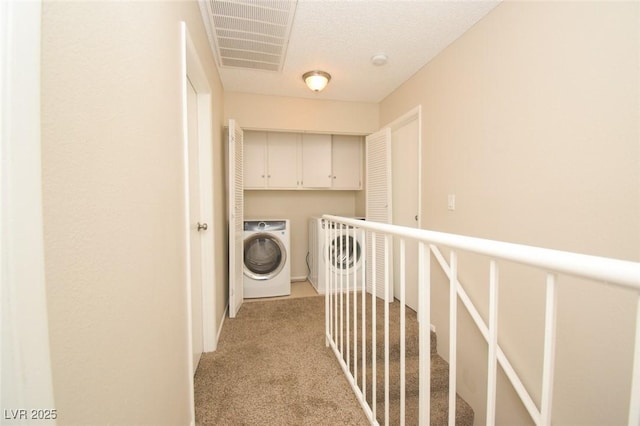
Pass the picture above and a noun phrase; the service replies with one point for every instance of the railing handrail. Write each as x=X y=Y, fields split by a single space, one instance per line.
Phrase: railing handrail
x=613 y=271
x=609 y=271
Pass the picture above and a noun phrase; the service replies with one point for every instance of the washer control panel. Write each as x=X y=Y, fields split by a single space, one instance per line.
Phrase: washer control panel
x=265 y=225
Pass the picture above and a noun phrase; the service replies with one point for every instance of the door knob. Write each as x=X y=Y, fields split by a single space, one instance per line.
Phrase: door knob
x=202 y=226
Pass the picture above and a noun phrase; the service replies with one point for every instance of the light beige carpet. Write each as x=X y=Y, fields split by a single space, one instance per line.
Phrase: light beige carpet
x=272 y=368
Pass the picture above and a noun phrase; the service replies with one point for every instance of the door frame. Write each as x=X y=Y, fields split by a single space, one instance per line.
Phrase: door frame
x=192 y=69
x=411 y=115
x=415 y=114
x=24 y=349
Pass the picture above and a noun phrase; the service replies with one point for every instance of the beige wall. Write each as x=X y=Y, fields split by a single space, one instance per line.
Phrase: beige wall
x=531 y=119
x=113 y=208
x=265 y=112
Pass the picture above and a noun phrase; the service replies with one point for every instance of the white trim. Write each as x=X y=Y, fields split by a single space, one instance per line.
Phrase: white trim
x=185 y=201
x=226 y=309
x=25 y=353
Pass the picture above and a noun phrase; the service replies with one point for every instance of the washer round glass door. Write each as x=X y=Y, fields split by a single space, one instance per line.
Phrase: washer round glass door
x=344 y=253
x=264 y=256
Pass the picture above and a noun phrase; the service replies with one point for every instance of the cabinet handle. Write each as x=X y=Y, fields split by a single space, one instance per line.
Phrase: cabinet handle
x=334 y=177
x=330 y=176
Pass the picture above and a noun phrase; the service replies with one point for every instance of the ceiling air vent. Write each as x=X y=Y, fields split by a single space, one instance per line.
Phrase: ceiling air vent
x=250 y=33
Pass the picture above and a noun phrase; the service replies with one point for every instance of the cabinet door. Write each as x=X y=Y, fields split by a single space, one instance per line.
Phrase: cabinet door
x=316 y=161
x=347 y=162
x=255 y=160
x=282 y=160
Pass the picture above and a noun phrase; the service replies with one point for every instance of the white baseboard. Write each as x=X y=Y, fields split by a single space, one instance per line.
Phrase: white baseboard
x=298 y=279
x=224 y=315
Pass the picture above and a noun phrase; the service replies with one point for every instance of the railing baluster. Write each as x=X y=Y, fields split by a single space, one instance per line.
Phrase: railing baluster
x=327 y=298
x=492 y=369
x=355 y=304
x=549 y=350
x=364 y=313
x=336 y=292
x=374 y=343
x=327 y=287
x=339 y=281
x=387 y=273
x=424 y=315
x=346 y=288
x=334 y=288
x=634 y=404
x=403 y=286
x=453 y=339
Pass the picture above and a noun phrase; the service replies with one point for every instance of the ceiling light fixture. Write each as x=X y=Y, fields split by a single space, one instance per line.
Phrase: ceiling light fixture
x=316 y=80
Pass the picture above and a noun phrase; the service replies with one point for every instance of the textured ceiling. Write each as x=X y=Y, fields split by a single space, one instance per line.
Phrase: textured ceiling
x=340 y=37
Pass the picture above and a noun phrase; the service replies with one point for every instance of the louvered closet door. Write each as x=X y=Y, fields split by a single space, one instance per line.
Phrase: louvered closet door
x=236 y=219
x=378 y=200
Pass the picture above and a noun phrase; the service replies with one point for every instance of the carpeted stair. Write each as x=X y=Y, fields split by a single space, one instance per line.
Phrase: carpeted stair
x=439 y=369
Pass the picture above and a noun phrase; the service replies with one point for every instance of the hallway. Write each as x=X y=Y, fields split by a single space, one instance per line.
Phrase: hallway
x=272 y=367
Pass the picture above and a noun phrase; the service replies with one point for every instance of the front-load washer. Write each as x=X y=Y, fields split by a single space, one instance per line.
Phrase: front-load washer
x=267 y=266
x=343 y=255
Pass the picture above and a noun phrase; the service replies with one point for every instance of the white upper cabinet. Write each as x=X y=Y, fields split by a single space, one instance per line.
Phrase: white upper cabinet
x=271 y=160
x=346 y=161
x=255 y=145
x=316 y=161
x=281 y=160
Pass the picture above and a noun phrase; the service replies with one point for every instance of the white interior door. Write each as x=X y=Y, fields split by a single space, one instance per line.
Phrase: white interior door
x=405 y=199
x=236 y=219
x=198 y=158
x=378 y=205
x=195 y=226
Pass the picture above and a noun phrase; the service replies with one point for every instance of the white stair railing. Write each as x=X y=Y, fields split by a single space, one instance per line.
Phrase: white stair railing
x=346 y=332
